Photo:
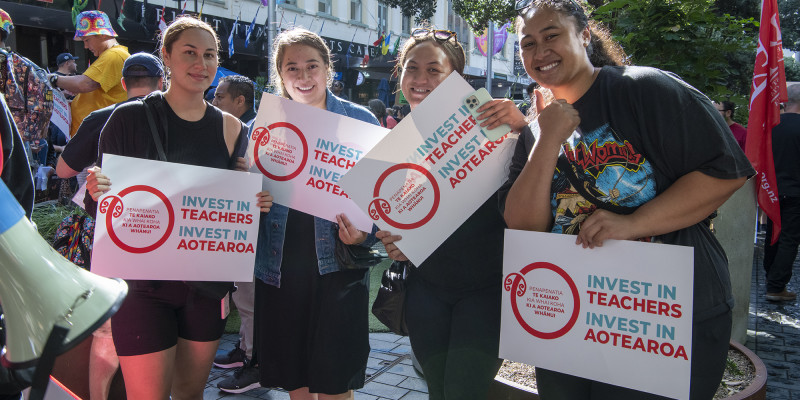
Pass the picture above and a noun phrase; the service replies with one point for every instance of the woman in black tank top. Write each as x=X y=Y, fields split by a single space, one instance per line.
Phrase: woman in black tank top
x=166 y=333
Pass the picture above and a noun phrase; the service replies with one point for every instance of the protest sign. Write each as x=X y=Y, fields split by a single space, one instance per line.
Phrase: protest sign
x=431 y=172
x=303 y=151
x=61 y=116
x=167 y=221
x=624 y=310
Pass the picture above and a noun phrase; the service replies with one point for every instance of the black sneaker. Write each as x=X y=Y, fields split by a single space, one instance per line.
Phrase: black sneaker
x=243 y=379
x=234 y=359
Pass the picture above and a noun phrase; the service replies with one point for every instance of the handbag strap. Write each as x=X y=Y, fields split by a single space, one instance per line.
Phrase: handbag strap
x=154 y=131
x=572 y=177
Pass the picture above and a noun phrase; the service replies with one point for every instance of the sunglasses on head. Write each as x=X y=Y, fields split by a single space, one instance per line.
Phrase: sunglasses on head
x=521 y=6
x=441 y=35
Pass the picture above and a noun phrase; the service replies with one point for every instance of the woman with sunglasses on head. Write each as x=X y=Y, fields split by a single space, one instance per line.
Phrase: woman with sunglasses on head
x=453 y=298
x=311 y=321
x=678 y=164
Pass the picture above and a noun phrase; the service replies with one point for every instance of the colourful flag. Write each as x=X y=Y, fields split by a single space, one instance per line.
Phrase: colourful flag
x=396 y=46
x=183 y=9
x=200 y=15
x=265 y=3
x=766 y=93
x=250 y=29
x=378 y=42
x=162 y=24
x=230 y=38
x=385 y=44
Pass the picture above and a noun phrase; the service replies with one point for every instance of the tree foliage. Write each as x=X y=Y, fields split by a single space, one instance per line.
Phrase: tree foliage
x=478 y=13
x=421 y=10
x=789 y=10
x=712 y=52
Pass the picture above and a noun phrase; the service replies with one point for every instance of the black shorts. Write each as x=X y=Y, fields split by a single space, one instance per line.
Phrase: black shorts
x=156 y=313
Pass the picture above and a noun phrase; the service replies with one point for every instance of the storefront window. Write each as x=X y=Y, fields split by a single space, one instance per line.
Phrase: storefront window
x=355 y=10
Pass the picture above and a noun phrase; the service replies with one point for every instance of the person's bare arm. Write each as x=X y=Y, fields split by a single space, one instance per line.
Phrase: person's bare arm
x=77 y=84
x=63 y=170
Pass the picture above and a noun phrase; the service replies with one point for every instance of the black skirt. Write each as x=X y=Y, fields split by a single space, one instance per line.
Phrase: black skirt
x=312 y=331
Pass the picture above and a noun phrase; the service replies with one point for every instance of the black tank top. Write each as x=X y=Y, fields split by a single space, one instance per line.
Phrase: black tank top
x=201 y=142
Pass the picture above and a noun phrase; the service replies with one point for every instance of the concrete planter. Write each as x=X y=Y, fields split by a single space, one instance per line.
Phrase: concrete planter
x=503 y=389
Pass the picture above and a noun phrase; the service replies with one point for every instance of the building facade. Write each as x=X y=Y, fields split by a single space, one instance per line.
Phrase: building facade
x=351 y=28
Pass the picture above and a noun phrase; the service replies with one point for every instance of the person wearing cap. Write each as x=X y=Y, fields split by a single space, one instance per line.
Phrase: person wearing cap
x=66 y=64
x=142 y=74
x=100 y=85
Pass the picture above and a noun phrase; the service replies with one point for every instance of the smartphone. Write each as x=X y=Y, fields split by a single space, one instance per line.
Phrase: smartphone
x=473 y=102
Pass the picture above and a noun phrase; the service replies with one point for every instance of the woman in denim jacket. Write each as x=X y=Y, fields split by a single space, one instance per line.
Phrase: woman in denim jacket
x=312 y=335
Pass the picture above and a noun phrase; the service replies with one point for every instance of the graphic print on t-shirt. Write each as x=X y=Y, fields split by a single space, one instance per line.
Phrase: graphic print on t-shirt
x=609 y=168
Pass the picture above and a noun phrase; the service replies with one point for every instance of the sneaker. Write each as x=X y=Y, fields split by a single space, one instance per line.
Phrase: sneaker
x=243 y=379
x=234 y=359
x=785 y=295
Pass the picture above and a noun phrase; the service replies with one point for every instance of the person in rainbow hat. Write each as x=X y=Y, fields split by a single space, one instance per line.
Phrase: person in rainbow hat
x=100 y=86
x=6 y=25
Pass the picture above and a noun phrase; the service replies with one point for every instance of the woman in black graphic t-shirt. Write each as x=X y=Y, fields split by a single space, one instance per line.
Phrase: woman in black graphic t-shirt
x=653 y=159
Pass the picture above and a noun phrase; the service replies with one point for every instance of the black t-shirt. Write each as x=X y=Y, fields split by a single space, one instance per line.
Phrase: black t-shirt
x=472 y=257
x=200 y=143
x=786 y=152
x=641 y=129
x=81 y=151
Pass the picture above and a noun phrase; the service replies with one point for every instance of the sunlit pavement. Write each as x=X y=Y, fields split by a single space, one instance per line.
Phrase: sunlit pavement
x=774 y=332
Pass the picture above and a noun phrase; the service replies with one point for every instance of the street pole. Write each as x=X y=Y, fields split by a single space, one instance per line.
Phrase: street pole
x=272 y=27
x=489 y=54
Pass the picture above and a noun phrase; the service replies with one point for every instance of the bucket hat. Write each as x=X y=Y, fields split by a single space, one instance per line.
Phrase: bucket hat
x=5 y=21
x=93 y=23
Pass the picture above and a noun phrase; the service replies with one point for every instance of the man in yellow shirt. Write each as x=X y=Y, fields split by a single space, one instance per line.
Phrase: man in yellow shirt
x=100 y=86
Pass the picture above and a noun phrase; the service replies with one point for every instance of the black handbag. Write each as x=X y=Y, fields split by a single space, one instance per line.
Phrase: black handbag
x=355 y=256
x=390 y=304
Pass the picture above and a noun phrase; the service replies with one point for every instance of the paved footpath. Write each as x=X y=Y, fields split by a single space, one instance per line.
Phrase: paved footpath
x=390 y=374
x=773 y=334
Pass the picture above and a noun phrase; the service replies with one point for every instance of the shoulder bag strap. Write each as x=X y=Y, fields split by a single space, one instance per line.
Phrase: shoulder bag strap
x=569 y=171
x=154 y=131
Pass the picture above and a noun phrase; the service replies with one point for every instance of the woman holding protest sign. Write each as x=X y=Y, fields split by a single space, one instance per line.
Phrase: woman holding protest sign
x=678 y=164
x=312 y=334
x=166 y=333
x=453 y=298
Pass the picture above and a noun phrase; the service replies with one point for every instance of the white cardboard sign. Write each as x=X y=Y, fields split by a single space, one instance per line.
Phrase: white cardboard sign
x=619 y=314
x=167 y=221
x=303 y=151
x=62 y=116
x=431 y=172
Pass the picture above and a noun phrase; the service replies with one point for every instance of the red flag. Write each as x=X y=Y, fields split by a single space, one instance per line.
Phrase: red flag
x=766 y=93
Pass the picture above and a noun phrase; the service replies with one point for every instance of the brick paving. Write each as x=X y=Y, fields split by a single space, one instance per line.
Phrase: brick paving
x=390 y=373
x=774 y=332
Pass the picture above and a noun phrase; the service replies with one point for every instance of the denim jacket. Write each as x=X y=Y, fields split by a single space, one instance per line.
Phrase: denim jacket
x=272 y=226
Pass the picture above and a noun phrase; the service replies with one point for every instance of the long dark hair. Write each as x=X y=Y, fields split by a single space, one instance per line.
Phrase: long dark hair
x=602 y=49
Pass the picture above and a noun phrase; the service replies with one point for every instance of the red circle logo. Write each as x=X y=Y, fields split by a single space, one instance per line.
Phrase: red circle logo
x=515 y=283
x=279 y=151
x=380 y=208
x=113 y=207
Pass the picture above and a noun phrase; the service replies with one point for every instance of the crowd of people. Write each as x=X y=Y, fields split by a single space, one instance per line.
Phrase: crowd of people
x=304 y=324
